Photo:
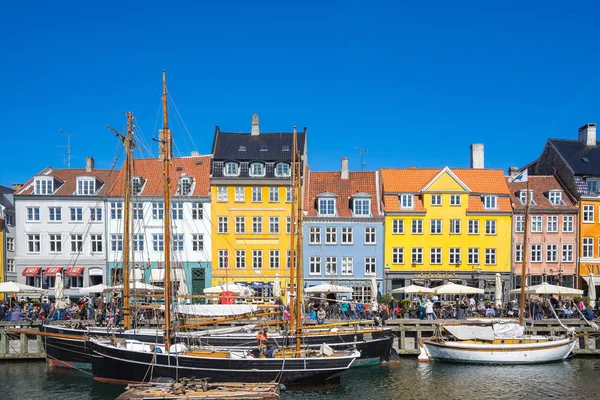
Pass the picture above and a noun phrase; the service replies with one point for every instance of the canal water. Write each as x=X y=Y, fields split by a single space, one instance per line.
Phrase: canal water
x=406 y=379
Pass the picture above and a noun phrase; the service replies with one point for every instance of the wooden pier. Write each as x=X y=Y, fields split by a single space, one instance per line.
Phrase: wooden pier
x=19 y=346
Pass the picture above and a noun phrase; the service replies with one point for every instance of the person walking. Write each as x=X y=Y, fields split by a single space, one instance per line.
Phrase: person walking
x=429 y=309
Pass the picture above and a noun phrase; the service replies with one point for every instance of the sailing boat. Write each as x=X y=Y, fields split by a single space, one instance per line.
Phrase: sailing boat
x=498 y=342
x=135 y=361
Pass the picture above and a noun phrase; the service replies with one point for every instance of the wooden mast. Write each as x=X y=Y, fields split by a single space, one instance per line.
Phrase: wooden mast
x=524 y=269
x=129 y=145
x=299 y=270
x=166 y=147
x=293 y=291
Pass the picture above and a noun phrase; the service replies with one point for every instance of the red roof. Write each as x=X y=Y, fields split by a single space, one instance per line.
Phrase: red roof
x=151 y=170
x=344 y=189
x=66 y=180
x=541 y=185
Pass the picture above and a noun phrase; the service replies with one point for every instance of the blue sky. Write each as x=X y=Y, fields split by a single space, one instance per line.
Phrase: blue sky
x=415 y=84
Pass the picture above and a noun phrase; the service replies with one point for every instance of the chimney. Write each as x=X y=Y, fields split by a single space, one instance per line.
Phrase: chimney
x=344 y=167
x=89 y=164
x=513 y=171
x=17 y=186
x=255 y=126
x=477 y=156
x=587 y=134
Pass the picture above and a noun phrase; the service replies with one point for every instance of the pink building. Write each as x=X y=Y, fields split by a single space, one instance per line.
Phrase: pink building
x=552 y=238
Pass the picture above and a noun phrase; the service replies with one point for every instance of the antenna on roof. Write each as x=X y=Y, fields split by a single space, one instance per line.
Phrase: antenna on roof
x=361 y=153
x=67 y=159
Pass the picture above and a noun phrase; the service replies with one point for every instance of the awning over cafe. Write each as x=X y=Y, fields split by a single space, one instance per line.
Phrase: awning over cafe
x=158 y=275
x=74 y=271
x=32 y=271
x=52 y=271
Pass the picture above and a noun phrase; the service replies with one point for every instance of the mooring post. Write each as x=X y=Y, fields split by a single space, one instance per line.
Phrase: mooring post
x=24 y=344
x=4 y=345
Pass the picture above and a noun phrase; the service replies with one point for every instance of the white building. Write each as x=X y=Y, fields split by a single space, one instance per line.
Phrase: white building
x=190 y=223
x=7 y=212
x=60 y=228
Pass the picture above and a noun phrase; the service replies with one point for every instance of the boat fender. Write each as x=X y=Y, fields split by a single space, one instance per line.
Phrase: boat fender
x=423 y=357
x=282 y=387
x=326 y=350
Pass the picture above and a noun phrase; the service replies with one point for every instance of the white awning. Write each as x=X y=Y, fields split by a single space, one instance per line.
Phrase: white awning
x=468 y=332
x=158 y=275
x=136 y=274
x=215 y=310
x=586 y=278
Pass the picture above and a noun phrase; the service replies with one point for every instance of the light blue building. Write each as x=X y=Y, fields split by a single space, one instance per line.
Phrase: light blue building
x=343 y=231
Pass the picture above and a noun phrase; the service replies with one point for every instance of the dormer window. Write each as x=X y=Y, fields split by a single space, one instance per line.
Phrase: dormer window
x=44 y=185
x=285 y=147
x=523 y=197
x=282 y=170
x=232 y=169
x=593 y=185
x=185 y=185
x=263 y=147
x=257 y=169
x=362 y=207
x=555 y=197
x=86 y=186
x=407 y=201
x=326 y=207
x=242 y=148
x=490 y=202
x=136 y=185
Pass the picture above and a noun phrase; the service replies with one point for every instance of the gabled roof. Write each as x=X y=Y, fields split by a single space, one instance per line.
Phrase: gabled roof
x=277 y=146
x=361 y=183
x=68 y=180
x=574 y=152
x=413 y=180
x=541 y=185
x=448 y=171
x=151 y=170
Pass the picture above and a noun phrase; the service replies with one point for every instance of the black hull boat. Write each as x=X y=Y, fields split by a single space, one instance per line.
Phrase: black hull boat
x=120 y=365
x=374 y=347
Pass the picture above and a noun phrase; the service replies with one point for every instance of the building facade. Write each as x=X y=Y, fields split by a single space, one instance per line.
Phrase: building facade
x=7 y=214
x=251 y=203
x=190 y=223
x=576 y=165
x=552 y=232
x=446 y=225
x=60 y=228
x=343 y=231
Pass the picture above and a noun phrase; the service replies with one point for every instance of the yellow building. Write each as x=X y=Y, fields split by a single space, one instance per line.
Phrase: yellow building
x=2 y=259
x=251 y=207
x=446 y=225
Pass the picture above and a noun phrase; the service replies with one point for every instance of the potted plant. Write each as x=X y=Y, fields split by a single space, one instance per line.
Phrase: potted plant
x=405 y=305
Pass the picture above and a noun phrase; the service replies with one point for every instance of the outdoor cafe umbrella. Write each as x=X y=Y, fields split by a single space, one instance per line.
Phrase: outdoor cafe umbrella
x=413 y=289
x=328 y=288
x=229 y=287
x=546 y=288
x=277 y=287
x=498 y=292
x=454 y=288
x=59 y=292
x=592 y=292
x=94 y=289
x=135 y=286
x=14 y=287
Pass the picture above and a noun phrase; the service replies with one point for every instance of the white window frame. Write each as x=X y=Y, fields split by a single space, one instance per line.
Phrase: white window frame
x=519 y=223
x=138 y=242
x=54 y=243
x=274 y=259
x=257 y=194
x=490 y=227
x=361 y=207
x=490 y=202
x=330 y=235
x=347 y=266
x=330 y=265
x=397 y=226
x=455 y=226
x=587 y=247
x=177 y=210
x=158 y=242
x=283 y=170
x=567 y=252
x=536 y=253
x=116 y=210
x=197 y=242
x=274 y=225
x=314 y=265
x=240 y=259
x=417 y=226
x=519 y=253
x=231 y=168
x=435 y=227
x=551 y=253
x=197 y=210
x=257 y=225
x=370 y=235
x=436 y=199
x=177 y=242
x=473 y=227
x=43 y=185
x=347 y=235
x=397 y=255
x=314 y=236
x=223 y=224
x=273 y=194
x=33 y=214
x=568 y=223
x=86 y=186
x=158 y=211
x=257 y=169
x=455 y=200
x=588 y=214
x=240 y=225
x=473 y=256
x=416 y=255
x=454 y=256
x=257 y=259
x=96 y=243
x=222 y=195
x=54 y=214
x=370 y=266
x=537 y=223
x=327 y=207
x=491 y=256
x=116 y=242
x=435 y=256
x=96 y=214
x=222 y=258
x=34 y=243
x=407 y=201
x=555 y=198
x=239 y=194
x=185 y=185
x=75 y=214
x=552 y=223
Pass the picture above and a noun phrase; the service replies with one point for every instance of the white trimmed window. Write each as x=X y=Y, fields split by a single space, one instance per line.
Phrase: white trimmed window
x=257 y=259
x=362 y=207
x=326 y=207
x=138 y=210
x=536 y=223
x=222 y=194
x=523 y=197
x=519 y=223
x=158 y=210
x=273 y=194
x=240 y=259
x=96 y=242
x=274 y=258
x=10 y=244
x=454 y=255
x=370 y=266
x=96 y=214
x=455 y=200
x=257 y=225
x=536 y=253
x=435 y=255
x=54 y=213
x=288 y=194
x=177 y=242
x=315 y=265
x=34 y=244
x=473 y=255
x=555 y=198
x=177 y=210
x=330 y=235
x=273 y=224
x=473 y=227
x=282 y=170
x=231 y=169
x=314 y=235
x=370 y=236
x=455 y=227
x=347 y=265
x=347 y=235
x=567 y=225
x=417 y=255
x=288 y=225
x=33 y=213
x=257 y=169
x=10 y=265
x=158 y=242
x=198 y=242
x=86 y=186
x=417 y=226
x=240 y=225
x=197 y=210
x=116 y=242
x=593 y=185
x=552 y=223
x=256 y=194
x=397 y=255
x=330 y=265
x=518 y=253
x=76 y=213
x=138 y=242
x=185 y=186
x=407 y=201
x=239 y=194
x=490 y=256
x=397 y=226
x=136 y=185
x=436 y=199
x=116 y=210
x=490 y=202
x=223 y=224
x=587 y=247
x=588 y=213
x=490 y=227
x=567 y=253
x=44 y=185
x=223 y=258
x=55 y=243
x=551 y=253
x=435 y=227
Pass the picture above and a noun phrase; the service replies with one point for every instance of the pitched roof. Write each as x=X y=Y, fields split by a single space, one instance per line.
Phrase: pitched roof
x=574 y=152
x=541 y=185
x=151 y=170
x=263 y=147
x=413 y=180
x=332 y=182
x=67 y=178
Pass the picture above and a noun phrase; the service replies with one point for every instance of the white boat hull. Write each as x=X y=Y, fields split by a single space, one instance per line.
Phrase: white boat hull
x=526 y=353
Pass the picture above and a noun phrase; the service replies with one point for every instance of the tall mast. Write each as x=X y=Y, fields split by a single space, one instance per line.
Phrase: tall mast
x=166 y=146
x=293 y=291
x=299 y=269
x=524 y=269
x=129 y=145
